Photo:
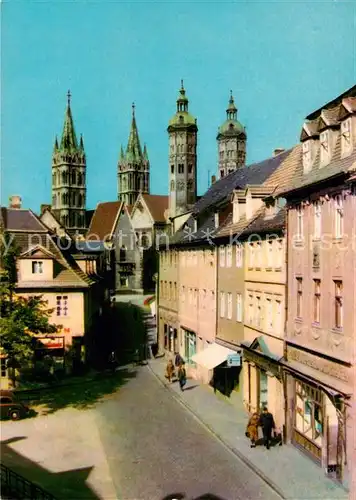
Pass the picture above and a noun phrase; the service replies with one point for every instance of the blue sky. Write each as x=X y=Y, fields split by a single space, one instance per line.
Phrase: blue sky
x=281 y=59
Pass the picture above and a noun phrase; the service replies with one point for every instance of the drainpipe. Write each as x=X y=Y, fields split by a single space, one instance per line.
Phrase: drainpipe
x=284 y=377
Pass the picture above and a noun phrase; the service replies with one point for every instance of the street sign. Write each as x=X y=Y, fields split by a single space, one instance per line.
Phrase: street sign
x=234 y=359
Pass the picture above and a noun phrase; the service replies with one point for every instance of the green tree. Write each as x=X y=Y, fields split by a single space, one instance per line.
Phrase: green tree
x=20 y=317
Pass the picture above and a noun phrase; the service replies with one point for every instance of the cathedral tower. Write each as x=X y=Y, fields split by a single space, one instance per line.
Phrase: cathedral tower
x=133 y=168
x=183 y=133
x=69 y=177
x=231 y=142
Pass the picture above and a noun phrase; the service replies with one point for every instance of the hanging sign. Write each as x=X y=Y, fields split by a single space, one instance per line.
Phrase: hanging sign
x=234 y=360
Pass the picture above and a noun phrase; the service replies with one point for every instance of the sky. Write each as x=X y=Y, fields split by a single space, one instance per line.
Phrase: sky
x=282 y=60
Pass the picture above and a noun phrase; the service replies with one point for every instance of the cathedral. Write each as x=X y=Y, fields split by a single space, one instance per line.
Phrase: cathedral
x=133 y=170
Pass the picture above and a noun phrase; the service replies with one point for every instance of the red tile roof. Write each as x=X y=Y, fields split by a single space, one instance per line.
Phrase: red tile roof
x=157 y=205
x=102 y=224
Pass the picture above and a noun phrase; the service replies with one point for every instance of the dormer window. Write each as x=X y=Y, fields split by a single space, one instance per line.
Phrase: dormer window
x=307 y=156
x=37 y=267
x=324 y=148
x=346 y=142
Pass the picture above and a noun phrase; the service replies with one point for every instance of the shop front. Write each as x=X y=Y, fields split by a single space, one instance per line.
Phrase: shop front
x=168 y=333
x=317 y=415
x=263 y=381
x=211 y=358
x=50 y=351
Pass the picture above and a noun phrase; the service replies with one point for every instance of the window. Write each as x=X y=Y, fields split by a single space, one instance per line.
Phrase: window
x=324 y=148
x=238 y=307
x=190 y=346
x=62 y=305
x=239 y=255
x=250 y=309
x=190 y=169
x=229 y=256
x=172 y=169
x=338 y=305
x=37 y=267
x=317 y=220
x=259 y=254
x=280 y=253
x=229 y=305
x=222 y=304
x=308 y=412
x=269 y=314
x=222 y=256
x=316 y=305
x=299 y=297
x=183 y=293
x=181 y=168
x=346 y=142
x=258 y=311
x=299 y=223
x=279 y=325
x=269 y=253
x=339 y=218
x=252 y=254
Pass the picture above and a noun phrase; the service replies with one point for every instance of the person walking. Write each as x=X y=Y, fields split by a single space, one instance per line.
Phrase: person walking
x=170 y=371
x=178 y=360
x=182 y=376
x=267 y=424
x=252 y=428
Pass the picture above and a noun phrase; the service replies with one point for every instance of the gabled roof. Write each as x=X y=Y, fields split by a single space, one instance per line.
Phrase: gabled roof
x=157 y=205
x=36 y=251
x=262 y=223
x=103 y=223
x=219 y=194
x=20 y=219
x=351 y=92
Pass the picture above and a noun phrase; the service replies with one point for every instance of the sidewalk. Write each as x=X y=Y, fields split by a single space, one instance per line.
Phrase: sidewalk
x=288 y=471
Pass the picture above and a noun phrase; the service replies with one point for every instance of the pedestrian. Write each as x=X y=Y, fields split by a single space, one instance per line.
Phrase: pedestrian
x=182 y=376
x=267 y=424
x=252 y=429
x=170 y=371
x=178 y=360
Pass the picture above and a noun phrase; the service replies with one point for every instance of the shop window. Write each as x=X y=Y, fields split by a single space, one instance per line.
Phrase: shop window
x=338 y=305
x=316 y=308
x=263 y=389
x=299 y=297
x=62 y=305
x=37 y=267
x=190 y=346
x=309 y=412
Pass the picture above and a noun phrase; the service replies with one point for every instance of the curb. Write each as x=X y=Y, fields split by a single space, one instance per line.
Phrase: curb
x=235 y=451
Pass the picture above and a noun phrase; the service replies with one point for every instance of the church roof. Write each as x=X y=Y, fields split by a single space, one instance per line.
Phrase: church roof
x=103 y=222
x=157 y=205
x=231 y=126
x=133 y=150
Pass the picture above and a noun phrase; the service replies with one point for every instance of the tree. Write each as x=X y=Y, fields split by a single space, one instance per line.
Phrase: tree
x=20 y=317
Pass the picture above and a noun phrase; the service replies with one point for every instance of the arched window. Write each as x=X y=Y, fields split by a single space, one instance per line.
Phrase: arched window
x=172 y=185
x=63 y=177
x=145 y=241
x=53 y=179
x=73 y=177
x=74 y=198
x=54 y=199
x=80 y=200
x=64 y=199
x=122 y=253
x=79 y=178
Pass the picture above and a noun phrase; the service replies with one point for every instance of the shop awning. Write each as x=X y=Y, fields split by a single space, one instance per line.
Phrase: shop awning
x=212 y=356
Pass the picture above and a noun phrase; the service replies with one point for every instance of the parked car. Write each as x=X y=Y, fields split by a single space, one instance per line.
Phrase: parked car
x=11 y=407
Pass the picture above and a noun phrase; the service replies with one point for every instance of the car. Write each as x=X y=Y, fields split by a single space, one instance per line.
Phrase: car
x=11 y=407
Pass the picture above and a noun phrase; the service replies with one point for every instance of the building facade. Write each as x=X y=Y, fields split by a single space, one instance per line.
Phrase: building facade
x=182 y=177
x=69 y=177
x=231 y=140
x=321 y=321
x=133 y=167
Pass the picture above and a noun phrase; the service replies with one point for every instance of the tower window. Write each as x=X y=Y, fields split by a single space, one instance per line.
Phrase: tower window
x=172 y=185
x=172 y=169
x=181 y=168
x=190 y=169
x=73 y=177
x=181 y=119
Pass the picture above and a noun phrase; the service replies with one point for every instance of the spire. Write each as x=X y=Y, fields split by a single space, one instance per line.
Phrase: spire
x=69 y=140
x=133 y=150
x=145 y=155
x=55 y=147
x=231 y=111
x=122 y=154
x=182 y=101
x=81 y=143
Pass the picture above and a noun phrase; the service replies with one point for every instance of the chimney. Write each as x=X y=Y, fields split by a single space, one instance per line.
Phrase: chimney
x=278 y=151
x=213 y=179
x=15 y=201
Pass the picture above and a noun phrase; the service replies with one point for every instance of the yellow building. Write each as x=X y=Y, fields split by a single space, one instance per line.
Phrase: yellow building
x=66 y=279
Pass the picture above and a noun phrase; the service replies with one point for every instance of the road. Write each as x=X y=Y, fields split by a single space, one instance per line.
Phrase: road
x=155 y=448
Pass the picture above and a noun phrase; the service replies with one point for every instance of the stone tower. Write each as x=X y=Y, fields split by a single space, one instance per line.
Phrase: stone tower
x=231 y=142
x=183 y=134
x=133 y=168
x=69 y=177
